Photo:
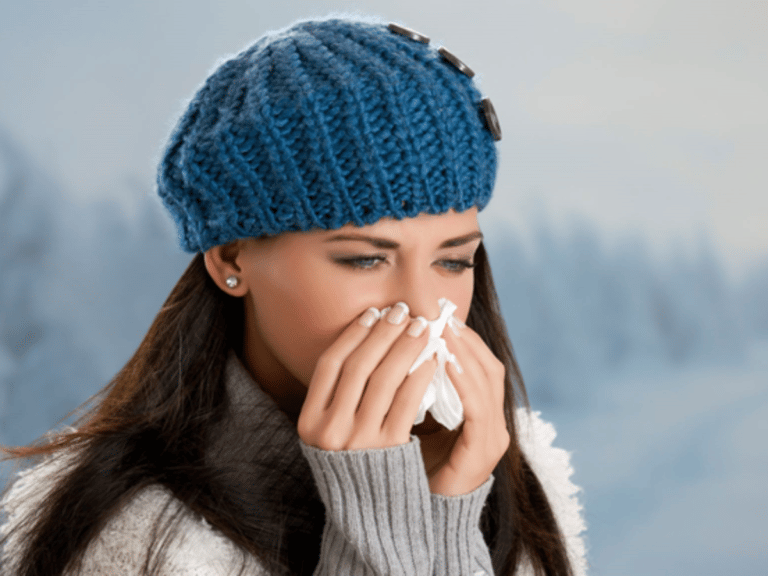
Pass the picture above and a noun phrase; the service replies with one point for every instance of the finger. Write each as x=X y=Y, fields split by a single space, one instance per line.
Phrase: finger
x=329 y=365
x=484 y=435
x=391 y=373
x=361 y=363
x=493 y=367
x=472 y=373
x=405 y=404
x=480 y=402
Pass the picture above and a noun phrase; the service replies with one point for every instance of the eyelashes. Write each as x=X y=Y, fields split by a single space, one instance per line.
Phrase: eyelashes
x=457 y=266
x=454 y=266
x=361 y=262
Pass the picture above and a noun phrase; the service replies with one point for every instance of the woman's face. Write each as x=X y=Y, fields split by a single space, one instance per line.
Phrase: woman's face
x=304 y=288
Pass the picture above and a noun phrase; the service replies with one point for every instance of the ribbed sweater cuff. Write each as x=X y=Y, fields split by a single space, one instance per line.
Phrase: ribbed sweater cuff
x=459 y=544
x=377 y=504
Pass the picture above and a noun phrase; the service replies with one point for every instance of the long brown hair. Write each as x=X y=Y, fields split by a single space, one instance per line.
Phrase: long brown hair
x=151 y=425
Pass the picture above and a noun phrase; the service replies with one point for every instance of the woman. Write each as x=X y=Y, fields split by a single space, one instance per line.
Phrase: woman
x=328 y=179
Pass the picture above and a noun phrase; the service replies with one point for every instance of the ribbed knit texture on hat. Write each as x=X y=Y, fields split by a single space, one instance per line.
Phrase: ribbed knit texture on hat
x=322 y=124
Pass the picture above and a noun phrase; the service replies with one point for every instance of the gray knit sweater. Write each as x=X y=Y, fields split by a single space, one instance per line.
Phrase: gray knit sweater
x=380 y=516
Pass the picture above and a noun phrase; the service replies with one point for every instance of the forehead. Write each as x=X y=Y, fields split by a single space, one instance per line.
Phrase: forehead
x=424 y=230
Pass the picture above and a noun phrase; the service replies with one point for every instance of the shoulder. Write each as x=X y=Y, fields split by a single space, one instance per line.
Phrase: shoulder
x=553 y=468
x=122 y=546
x=196 y=548
x=22 y=501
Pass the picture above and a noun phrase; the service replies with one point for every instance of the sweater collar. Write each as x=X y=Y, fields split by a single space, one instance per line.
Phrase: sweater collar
x=256 y=449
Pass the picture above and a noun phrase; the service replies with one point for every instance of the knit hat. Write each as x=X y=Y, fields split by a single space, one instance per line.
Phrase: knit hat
x=326 y=123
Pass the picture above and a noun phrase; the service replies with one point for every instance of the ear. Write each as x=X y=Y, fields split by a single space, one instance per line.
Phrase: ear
x=222 y=263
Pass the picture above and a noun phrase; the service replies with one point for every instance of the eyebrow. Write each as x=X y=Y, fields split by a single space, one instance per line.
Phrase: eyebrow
x=386 y=244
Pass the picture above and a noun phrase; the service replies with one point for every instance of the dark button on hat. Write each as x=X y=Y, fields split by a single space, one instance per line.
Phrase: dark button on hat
x=463 y=68
x=408 y=33
x=491 y=119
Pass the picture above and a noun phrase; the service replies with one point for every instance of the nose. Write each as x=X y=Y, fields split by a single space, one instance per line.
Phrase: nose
x=418 y=288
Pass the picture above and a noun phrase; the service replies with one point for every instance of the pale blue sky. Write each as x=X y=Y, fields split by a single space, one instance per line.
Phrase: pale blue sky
x=641 y=115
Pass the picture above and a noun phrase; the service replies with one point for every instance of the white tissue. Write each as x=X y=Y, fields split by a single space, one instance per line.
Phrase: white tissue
x=441 y=399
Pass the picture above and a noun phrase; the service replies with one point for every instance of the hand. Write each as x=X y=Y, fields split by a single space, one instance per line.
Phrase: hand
x=458 y=462
x=360 y=395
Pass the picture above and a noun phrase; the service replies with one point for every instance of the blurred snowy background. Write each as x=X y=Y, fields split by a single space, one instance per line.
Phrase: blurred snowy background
x=628 y=231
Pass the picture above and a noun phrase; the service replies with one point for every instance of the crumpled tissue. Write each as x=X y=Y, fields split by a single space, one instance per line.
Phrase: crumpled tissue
x=441 y=399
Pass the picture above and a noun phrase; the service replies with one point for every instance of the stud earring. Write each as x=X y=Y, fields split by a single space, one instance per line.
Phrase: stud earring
x=232 y=281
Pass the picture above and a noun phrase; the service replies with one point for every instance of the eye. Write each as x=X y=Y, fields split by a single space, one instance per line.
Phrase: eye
x=457 y=266
x=362 y=262
x=372 y=262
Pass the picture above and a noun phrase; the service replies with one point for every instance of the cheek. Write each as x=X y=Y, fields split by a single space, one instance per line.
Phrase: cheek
x=299 y=319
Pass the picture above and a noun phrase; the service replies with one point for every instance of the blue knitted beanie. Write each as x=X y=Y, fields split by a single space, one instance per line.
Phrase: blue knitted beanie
x=326 y=123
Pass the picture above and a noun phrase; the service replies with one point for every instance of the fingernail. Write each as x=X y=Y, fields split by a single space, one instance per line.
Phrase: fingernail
x=452 y=359
x=369 y=317
x=417 y=326
x=398 y=313
x=456 y=325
